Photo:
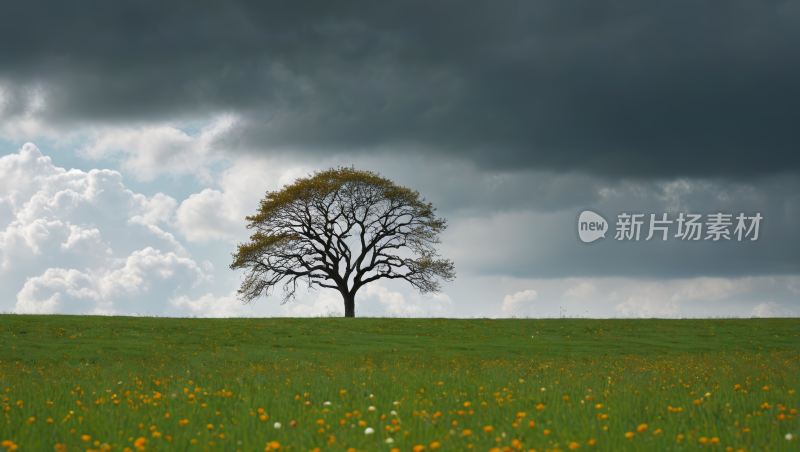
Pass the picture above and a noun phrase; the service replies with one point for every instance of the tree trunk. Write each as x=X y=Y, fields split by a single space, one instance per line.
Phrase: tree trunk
x=349 y=305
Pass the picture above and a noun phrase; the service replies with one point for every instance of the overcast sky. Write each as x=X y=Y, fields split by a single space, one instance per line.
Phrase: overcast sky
x=136 y=136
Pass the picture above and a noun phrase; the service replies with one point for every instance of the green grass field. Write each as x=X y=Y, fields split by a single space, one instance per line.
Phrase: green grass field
x=380 y=384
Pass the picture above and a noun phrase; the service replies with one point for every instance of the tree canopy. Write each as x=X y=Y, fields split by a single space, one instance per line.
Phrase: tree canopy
x=341 y=229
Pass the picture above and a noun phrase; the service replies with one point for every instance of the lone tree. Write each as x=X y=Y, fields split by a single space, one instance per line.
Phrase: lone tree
x=341 y=229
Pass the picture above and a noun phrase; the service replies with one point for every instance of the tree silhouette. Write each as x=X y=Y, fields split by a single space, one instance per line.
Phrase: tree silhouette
x=341 y=229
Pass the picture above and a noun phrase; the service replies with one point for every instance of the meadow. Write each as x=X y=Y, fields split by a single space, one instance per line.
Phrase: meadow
x=85 y=383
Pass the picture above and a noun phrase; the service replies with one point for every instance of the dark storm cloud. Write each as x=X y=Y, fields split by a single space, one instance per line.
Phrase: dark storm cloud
x=545 y=245
x=618 y=88
x=463 y=190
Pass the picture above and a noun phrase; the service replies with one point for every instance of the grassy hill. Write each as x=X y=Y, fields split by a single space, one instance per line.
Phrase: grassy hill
x=133 y=372
x=108 y=339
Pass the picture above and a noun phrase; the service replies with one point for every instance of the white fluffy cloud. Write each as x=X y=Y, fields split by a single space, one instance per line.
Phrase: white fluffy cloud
x=210 y=306
x=83 y=240
x=19 y=239
x=220 y=214
x=160 y=233
x=710 y=289
x=151 y=150
x=158 y=208
x=510 y=302
x=210 y=215
x=44 y=206
x=583 y=290
x=393 y=302
x=318 y=303
x=123 y=281
x=60 y=230
x=771 y=309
